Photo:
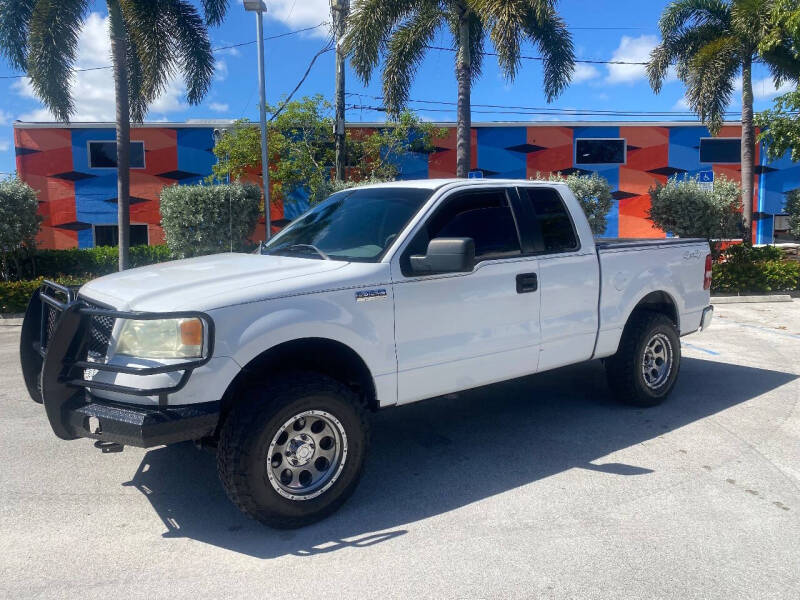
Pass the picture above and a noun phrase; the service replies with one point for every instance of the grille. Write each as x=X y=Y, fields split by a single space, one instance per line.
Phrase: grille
x=50 y=319
x=100 y=328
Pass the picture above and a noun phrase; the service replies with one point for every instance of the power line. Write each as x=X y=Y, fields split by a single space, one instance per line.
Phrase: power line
x=218 y=49
x=539 y=110
x=327 y=48
x=539 y=58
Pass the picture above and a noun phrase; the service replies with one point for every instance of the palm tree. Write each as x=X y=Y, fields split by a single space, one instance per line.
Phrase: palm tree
x=402 y=30
x=712 y=42
x=151 y=41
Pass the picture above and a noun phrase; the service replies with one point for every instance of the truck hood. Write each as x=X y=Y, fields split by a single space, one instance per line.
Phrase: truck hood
x=199 y=283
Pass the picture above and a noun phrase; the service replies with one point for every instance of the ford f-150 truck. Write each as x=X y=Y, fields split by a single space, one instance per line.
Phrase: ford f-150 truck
x=379 y=296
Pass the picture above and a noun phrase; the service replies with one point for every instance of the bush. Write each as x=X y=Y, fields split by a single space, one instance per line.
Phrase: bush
x=205 y=219
x=14 y=295
x=749 y=269
x=687 y=208
x=793 y=210
x=594 y=194
x=83 y=262
x=19 y=223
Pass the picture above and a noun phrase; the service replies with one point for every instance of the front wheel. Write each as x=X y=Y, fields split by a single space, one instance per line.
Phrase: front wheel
x=292 y=452
x=645 y=368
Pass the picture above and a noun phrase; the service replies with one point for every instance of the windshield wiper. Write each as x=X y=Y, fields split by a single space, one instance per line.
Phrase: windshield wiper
x=304 y=247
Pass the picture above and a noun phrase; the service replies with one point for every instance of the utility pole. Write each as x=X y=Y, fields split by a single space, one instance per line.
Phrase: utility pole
x=258 y=7
x=339 y=11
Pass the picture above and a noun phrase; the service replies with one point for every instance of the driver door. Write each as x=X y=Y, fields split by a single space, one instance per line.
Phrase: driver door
x=462 y=330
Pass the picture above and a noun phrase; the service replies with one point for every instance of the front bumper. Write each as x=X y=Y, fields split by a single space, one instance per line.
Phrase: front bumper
x=54 y=351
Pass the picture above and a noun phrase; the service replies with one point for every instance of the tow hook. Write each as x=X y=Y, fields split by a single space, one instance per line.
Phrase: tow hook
x=106 y=447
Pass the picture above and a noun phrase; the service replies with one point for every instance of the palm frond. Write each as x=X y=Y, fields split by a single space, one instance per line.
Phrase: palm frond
x=14 y=18
x=215 y=11
x=192 y=48
x=506 y=20
x=782 y=63
x=368 y=29
x=678 y=48
x=550 y=34
x=683 y=14
x=710 y=83
x=477 y=33
x=405 y=51
x=53 y=43
x=139 y=97
x=150 y=33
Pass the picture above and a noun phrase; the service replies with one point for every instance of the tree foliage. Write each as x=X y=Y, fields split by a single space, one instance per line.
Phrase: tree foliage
x=398 y=33
x=302 y=151
x=792 y=208
x=688 y=208
x=19 y=222
x=205 y=219
x=780 y=127
x=593 y=193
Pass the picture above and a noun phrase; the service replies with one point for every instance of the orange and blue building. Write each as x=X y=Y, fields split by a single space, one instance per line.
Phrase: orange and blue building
x=71 y=167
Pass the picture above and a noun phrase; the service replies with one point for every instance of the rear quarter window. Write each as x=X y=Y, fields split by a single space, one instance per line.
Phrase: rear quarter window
x=553 y=219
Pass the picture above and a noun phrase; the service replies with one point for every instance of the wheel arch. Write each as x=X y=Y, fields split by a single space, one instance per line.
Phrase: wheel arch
x=658 y=301
x=320 y=355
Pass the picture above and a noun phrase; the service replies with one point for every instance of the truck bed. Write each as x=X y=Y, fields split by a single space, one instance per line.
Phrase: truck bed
x=626 y=243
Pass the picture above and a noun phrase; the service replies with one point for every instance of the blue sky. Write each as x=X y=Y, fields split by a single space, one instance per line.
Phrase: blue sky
x=602 y=29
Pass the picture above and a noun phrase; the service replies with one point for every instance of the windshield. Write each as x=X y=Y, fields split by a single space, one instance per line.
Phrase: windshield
x=353 y=225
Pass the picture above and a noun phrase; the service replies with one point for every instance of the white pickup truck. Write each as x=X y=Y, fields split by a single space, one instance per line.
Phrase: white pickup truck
x=379 y=296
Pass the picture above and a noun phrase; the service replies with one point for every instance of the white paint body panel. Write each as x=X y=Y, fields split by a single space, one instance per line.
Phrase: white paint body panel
x=426 y=336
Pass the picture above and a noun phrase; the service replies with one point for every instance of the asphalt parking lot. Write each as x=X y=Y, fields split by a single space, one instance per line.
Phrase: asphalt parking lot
x=542 y=487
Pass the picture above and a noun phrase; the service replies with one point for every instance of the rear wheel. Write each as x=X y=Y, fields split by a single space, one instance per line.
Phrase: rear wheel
x=645 y=368
x=292 y=452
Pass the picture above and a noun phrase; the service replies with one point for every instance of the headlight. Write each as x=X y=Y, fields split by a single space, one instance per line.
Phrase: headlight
x=161 y=338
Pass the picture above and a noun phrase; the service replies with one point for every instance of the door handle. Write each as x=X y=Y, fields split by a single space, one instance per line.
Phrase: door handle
x=527 y=282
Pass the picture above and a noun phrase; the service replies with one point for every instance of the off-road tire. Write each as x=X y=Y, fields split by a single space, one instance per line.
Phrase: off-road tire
x=624 y=369
x=249 y=428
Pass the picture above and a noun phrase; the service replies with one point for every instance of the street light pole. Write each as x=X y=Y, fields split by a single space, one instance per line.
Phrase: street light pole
x=259 y=8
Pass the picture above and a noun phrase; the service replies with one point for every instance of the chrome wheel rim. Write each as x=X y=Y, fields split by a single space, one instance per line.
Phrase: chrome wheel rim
x=657 y=361
x=307 y=455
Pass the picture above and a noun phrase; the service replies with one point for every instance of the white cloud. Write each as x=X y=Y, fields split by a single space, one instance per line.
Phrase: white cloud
x=93 y=91
x=584 y=72
x=4 y=117
x=631 y=49
x=681 y=104
x=301 y=13
x=764 y=89
x=220 y=70
x=4 y=146
x=219 y=107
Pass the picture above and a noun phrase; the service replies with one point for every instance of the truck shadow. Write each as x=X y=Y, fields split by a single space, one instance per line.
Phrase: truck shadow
x=439 y=455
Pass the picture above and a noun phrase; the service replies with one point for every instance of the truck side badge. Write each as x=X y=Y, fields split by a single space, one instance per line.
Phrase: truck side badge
x=369 y=295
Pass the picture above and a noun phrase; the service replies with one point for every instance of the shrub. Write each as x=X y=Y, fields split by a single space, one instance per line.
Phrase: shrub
x=19 y=222
x=749 y=269
x=594 y=194
x=83 y=262
x=687 y=208
x=205 y=219
x=792 y=208
x=14 y=295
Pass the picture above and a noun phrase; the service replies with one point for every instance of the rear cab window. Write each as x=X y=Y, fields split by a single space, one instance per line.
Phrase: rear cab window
x=553 y=225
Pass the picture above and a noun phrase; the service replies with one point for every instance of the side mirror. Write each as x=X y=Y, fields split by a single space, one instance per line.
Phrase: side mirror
x=446 y=255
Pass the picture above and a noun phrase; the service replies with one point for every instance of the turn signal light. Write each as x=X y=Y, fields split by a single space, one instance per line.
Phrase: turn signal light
x=707 y=278
x=191 y=332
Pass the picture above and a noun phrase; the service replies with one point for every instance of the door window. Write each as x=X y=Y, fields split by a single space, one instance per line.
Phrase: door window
x=484 y=216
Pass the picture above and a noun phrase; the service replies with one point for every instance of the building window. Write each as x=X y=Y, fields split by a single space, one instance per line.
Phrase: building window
x=103 y=155
x=108 y=235
x=720 y=150
x=597 y=151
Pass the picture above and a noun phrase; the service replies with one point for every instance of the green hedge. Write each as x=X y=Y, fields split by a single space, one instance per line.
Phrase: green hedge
x=762 y=269
x=85 y=262
x=14 y=295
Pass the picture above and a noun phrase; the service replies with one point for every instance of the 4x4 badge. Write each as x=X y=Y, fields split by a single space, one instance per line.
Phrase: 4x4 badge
x=368 y=295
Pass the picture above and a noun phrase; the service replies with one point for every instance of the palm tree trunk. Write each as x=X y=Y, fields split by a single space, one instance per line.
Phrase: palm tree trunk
x=119 y=55
x=464 y=111
x=748 y=149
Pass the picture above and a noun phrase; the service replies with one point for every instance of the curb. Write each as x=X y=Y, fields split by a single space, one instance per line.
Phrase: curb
x=750 y=299
x=11 y=319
